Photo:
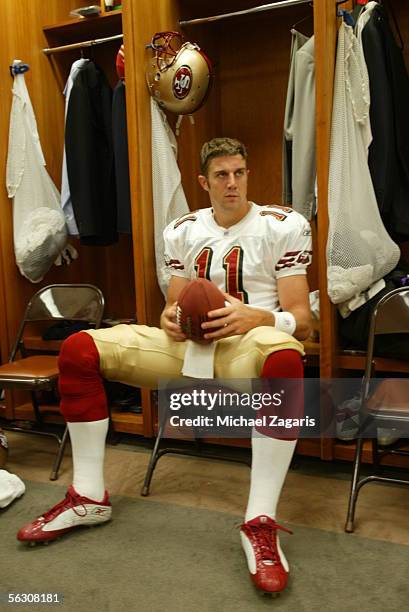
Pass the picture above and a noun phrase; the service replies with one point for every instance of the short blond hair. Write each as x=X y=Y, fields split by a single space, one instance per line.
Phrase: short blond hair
x=219 y=147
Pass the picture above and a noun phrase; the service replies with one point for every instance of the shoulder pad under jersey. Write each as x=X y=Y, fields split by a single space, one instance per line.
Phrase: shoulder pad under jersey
x=274 y=210
x=192 y=216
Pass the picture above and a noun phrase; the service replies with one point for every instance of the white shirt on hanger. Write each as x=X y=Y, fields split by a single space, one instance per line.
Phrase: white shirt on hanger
x=364 y=17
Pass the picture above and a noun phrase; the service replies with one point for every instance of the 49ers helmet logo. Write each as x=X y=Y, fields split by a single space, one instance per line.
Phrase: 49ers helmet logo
x=182 y=82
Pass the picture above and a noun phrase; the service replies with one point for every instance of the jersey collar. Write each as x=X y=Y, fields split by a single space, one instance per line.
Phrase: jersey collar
x=233 y=229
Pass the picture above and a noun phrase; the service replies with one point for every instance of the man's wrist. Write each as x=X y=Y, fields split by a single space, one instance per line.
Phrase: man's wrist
x=265 y=317
x=285 y=321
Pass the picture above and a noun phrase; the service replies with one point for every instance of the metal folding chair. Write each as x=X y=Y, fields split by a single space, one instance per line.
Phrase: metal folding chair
x=197 y=447
x=199 y=450
x=39 y=372
x=385 y=407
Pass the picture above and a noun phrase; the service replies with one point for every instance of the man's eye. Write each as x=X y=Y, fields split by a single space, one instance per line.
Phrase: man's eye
x=239 y=172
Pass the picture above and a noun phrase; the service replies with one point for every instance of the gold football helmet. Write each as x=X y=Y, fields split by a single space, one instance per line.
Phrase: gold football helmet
x=178 y=74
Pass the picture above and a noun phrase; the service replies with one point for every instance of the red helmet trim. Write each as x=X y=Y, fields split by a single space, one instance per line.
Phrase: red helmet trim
x=163 y=45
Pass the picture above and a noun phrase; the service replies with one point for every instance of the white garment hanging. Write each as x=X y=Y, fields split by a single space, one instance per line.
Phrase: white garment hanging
x=359 y=250
x=299 y=166
x=38 y=222
x=66 y=203
x=364 y=17
x=169 y=201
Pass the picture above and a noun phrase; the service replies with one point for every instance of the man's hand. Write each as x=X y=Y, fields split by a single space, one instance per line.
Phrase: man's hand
x=234 y=319
x=169 y=325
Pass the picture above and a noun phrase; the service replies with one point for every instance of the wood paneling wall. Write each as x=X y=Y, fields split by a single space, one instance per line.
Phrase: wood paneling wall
x=251 y=57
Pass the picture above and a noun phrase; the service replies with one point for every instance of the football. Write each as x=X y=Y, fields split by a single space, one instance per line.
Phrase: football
x=196 y=299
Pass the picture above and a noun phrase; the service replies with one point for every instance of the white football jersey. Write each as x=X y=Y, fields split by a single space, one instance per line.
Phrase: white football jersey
x=244 y=260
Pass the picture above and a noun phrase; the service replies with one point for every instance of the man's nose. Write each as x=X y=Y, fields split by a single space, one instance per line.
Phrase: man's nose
x=231 y=179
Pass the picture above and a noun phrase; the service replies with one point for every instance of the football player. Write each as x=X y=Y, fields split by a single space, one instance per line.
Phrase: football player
x=258 y=256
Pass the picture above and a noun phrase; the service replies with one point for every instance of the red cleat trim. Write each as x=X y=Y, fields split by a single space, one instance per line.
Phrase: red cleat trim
x=270 y=576
x=80 y=506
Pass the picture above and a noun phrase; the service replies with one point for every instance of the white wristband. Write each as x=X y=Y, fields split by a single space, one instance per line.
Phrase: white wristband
x=285 y=321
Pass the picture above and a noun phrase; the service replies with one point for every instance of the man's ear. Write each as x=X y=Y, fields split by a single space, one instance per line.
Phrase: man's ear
x=203 y=182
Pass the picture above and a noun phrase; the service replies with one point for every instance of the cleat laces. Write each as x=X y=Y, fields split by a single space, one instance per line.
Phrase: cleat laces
x=69 y=502
x=264 y=536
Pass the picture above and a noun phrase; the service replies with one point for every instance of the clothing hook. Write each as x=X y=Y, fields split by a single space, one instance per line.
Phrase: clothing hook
x=18 y=67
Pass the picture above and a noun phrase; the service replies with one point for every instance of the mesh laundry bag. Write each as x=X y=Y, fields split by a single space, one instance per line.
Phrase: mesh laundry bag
x=38 y=241
x=359 y=250
x=38 y=220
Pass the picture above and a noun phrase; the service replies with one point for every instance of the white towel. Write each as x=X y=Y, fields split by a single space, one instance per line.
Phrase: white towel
x=199 y=360
x=11 y=487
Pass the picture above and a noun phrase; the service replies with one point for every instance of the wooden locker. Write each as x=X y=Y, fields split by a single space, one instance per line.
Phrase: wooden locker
x=31 y=27
x=251 y=56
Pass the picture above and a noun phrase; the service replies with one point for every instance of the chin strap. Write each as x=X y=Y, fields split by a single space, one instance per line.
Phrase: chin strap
x=179 y=122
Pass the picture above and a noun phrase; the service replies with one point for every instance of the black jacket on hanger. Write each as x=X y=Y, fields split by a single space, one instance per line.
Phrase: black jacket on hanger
x=120 y=140
x=389 y=151
x=90 y=158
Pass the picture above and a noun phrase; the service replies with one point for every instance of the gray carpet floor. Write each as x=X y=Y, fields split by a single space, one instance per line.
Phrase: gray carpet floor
x=155 y=557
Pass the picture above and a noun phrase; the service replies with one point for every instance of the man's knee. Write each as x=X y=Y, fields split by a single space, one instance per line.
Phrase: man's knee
x=78 y=357
x=80 y=382
x=285 y=364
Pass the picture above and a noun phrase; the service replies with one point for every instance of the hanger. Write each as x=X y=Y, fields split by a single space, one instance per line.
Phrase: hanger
x=87 y=53
x=394 y=19
x=346 y=15
x=18 y=67
x=304 y=18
